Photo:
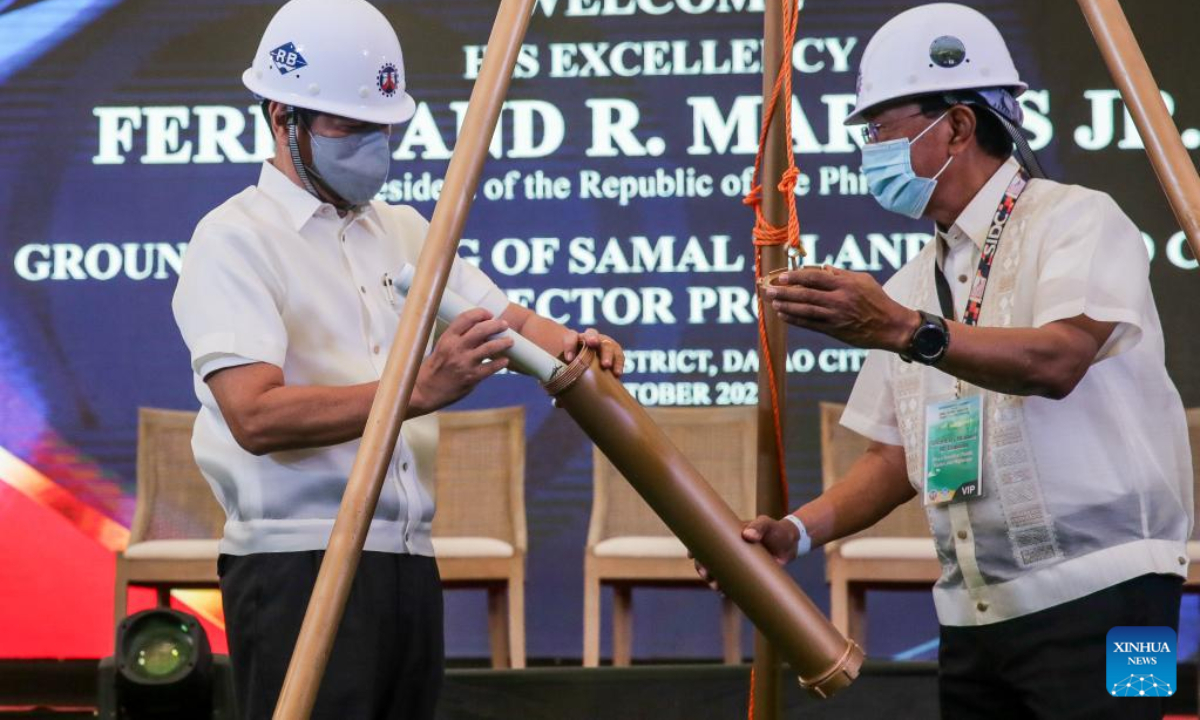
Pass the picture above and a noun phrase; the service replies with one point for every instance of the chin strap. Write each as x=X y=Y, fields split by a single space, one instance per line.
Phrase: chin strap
x=308 y=175
x=1024 y=152
x=294 y=148
x=1011 y=124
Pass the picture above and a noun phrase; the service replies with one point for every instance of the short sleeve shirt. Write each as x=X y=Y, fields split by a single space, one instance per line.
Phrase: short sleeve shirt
x=1106 y=479
x=273 y=275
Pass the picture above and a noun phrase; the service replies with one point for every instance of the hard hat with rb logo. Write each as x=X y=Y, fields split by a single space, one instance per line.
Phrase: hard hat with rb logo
x=941 y=47
x=340 y=57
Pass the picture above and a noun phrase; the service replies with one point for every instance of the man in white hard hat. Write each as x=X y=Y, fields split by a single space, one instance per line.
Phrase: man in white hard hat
x=284 y=304
x=1016 y=383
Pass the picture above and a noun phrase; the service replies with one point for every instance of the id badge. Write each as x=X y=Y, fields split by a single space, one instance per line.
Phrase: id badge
x=954 y=450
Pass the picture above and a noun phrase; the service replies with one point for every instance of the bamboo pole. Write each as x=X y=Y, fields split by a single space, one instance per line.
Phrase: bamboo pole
x=766 y=695
x=328 y=600
x=1129 y=70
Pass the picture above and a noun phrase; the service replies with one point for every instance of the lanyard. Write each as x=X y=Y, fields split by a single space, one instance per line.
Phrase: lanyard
x=986 y=257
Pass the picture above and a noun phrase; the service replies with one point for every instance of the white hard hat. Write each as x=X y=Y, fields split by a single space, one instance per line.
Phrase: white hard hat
x=929 y=49
x=334 y=56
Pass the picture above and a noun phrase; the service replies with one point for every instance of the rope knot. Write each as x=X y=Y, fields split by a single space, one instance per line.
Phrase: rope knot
x=787 y=183
x=754 y=197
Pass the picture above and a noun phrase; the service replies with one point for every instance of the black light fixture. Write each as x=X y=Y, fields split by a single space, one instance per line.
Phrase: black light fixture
x=163 y=668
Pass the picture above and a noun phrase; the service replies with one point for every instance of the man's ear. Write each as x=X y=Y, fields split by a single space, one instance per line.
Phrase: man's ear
x=962 y=126
x=277 y=114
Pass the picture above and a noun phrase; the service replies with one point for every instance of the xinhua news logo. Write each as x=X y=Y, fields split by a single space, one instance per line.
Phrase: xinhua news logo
x=1141 y=661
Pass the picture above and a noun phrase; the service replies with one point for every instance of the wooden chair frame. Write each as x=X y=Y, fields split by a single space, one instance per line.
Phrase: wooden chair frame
x=502 y=577
x=165 y=570
x=851 y=577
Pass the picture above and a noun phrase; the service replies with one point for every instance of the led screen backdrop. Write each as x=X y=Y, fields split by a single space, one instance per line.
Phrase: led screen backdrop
x=612 y=198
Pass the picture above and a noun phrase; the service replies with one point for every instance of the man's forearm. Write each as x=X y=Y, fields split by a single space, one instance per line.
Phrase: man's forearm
x=293 y=417
x=1048 y=361
x=1017 y=361
x=875 y=485
x=543 y=332
x=852 y=307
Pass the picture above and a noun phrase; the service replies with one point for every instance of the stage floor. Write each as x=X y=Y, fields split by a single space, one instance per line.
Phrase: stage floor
x=885 y=691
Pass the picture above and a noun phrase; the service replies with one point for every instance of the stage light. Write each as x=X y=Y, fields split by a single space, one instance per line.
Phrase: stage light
x=163 y=668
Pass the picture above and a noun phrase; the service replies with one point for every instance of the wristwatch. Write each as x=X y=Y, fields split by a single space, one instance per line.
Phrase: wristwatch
x=929 y=341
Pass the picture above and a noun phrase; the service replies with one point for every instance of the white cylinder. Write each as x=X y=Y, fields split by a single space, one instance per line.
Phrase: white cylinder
x=526 y=357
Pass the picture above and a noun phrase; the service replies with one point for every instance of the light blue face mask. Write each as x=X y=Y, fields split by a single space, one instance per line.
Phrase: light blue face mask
x=891 y=179
x=354 y=166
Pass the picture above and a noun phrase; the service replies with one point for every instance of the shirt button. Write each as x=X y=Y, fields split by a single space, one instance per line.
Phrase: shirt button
x=981 y=606
x=404 y=467
x=962 y=534
x=375 y=349
x=1182 y=560
x=961 y=278
x=363 y=289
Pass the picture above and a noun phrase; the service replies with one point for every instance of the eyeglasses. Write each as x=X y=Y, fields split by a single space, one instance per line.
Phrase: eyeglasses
x=870 y=131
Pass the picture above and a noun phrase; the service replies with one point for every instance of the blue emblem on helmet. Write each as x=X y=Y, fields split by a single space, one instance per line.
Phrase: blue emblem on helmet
x=286 y=58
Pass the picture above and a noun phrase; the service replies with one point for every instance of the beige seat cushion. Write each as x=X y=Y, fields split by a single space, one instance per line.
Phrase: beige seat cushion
x=1193 y=550
x=173 y=550
x=448 y=547
x=889 y=548
x=641 y=546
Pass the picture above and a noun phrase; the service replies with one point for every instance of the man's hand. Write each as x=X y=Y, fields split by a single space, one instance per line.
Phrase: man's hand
x=779 y=537
x=464 y=355
x=612 y=356
x=849 y=306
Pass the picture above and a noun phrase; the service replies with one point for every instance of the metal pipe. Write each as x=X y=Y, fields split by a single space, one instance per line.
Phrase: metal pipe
x=824 y=660
x=328 y=599
x=1129 y=70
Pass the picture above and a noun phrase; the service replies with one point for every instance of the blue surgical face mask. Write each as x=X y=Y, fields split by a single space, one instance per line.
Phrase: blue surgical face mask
x=354 y=166
x=891 y=179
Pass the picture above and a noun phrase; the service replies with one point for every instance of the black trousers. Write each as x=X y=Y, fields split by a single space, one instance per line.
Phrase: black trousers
x=388 y=656
x=1051 y=664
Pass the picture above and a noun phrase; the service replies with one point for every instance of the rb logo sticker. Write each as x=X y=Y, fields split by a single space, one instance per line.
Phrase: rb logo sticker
x=1140 y=661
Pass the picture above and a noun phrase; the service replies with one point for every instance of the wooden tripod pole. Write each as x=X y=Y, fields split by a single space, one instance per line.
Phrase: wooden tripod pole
x=1129 y=70
x=328 y=600
x=766 y=696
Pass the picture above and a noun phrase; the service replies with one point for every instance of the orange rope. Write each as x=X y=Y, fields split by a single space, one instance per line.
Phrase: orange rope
x=765 y=234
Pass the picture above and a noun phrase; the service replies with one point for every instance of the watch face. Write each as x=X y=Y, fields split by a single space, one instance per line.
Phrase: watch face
x=928 y=340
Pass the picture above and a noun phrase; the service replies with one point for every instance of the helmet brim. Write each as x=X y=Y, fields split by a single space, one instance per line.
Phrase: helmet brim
x=399 y=111
x=856 y=116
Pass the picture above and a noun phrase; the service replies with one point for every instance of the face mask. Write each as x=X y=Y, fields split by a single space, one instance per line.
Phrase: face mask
x=891 y=179
x=354 y=166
